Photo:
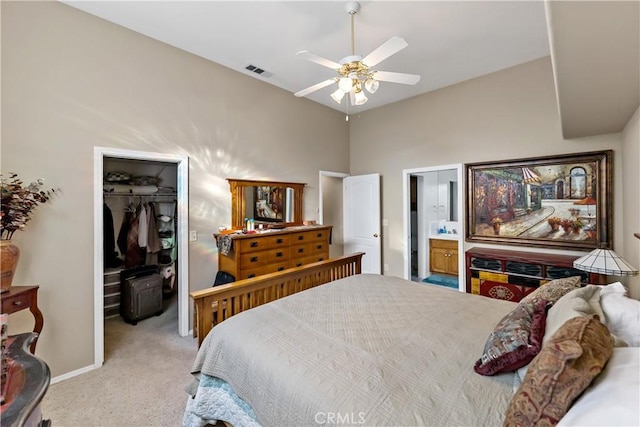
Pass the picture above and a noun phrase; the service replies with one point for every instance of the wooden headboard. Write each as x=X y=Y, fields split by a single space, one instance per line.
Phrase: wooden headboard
x=242 y=295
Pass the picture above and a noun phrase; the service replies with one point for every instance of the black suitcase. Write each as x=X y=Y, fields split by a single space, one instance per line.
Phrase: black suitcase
x=141 y=297
x=140 y=271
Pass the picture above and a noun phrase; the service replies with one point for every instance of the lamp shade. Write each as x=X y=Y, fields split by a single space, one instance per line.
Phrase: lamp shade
x=605 y=261
x=338 y=95
x=345 y=84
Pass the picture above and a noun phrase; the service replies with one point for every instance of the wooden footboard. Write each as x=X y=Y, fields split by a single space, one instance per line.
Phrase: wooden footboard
x=213 y=305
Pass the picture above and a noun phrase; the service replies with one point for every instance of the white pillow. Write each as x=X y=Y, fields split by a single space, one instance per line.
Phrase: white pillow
x=613 y=396
x=577 y=303
x=622 y=314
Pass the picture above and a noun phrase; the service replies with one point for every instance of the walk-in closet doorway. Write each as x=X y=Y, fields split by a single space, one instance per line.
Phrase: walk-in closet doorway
x=173 y=162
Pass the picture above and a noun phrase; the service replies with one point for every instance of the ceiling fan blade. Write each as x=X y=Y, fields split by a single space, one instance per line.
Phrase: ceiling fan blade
x=388 y=48
x=318 y=59
x=315 y=87
x=389 y=76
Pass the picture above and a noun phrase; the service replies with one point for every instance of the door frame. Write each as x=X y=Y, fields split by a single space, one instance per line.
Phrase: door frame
x=406 y=213
x=182 y=161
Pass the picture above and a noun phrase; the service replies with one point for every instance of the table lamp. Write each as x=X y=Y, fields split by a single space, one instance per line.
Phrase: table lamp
x=606 y=262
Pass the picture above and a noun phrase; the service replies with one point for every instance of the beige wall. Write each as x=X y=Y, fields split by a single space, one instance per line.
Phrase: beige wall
x=631 y=199
x=70 y=82
x=505 y=115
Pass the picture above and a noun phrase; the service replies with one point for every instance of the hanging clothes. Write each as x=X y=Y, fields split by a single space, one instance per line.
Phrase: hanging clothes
x=142 y=227
x=133 y=255
x=124 y=232
x=153 y=236
x=111 y=259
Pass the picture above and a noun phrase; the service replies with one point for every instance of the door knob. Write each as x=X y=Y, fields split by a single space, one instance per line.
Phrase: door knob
x=375 y=235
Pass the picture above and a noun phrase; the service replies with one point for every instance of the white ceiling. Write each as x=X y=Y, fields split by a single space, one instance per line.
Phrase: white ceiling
x=449 y=41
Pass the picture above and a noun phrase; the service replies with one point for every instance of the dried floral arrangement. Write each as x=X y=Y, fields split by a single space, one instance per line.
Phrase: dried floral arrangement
x=18 y=202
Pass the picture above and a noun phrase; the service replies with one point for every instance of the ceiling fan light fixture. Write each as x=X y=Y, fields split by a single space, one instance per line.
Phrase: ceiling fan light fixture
x=338 y=95
x=345 y=84
x=359 y=97
x=356 y=73
x=371 y=85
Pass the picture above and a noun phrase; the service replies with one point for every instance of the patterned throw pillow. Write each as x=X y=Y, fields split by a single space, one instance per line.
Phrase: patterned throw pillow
x=552 y=291
x=515 y=340
x=565 y=367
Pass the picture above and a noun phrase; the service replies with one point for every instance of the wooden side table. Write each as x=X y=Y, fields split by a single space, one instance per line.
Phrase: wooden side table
x=20 y=297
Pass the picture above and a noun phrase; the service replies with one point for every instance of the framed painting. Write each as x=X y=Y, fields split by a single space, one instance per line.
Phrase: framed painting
x=561 y=202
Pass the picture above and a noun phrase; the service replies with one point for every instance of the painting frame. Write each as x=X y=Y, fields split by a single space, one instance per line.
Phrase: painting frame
x=518 y=202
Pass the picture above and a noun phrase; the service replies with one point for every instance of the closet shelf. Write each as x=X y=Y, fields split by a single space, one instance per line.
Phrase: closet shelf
x=140 y=195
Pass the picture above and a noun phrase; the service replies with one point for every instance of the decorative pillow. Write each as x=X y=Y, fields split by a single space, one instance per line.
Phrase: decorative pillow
x=612 y=398
x=579 y=302
x=563 y=369
x=621 y=314
x=552 y=291
x=515 y=340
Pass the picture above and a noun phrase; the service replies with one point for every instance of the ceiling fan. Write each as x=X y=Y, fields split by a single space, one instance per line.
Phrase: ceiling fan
x=354 y=71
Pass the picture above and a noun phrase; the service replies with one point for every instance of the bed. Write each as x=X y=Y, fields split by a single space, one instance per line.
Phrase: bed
x=369 y=350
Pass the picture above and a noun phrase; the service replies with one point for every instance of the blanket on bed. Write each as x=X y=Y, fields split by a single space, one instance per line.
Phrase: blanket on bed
x=375 y=350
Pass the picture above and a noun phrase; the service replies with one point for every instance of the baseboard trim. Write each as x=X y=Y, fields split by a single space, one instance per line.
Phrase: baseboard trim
x=73 y=373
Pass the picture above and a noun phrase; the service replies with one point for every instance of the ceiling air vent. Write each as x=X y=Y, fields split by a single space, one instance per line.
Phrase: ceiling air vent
x=258 y=70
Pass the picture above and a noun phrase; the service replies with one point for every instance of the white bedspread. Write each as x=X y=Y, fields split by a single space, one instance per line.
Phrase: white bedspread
x=370 y=349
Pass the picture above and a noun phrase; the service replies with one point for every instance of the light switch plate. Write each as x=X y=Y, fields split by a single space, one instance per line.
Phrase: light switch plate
x=193 y=235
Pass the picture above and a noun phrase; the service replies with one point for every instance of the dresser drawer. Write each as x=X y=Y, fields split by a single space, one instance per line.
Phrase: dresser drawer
x=310 y=236
x=265 y=269
x=262 y=242
x=310 y=259
x=308 y=249
x=260 y=258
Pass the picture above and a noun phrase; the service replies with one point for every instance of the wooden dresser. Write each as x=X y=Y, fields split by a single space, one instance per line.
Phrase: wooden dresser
x=270 y=251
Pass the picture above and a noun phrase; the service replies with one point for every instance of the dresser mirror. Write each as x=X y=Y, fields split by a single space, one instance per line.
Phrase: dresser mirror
x=272 y=203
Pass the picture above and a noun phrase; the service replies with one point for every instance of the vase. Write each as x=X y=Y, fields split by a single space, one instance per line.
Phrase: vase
x=9 y=255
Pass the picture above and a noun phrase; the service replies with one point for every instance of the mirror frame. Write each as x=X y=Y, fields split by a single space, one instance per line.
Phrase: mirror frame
x=238 y=205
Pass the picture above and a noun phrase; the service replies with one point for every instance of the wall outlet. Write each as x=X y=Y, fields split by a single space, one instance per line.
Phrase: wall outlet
x=386 y=267
x=193 y=235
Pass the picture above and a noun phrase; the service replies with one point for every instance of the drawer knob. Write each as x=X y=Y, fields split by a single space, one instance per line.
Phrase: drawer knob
x=279 y=254
x=17 y=303
x=280 y=268
x=251 y=275
x=254 y=259
x=278 y=240
x=319 y=235
x=298 y=264
x=254 y=244
x=300 y=237
x=300 y=250
x=319 y=247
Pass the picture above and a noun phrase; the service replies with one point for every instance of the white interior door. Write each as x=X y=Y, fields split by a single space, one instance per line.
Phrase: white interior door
x=361 y=214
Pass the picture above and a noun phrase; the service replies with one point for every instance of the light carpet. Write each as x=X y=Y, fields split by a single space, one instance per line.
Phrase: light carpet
x=140 y=384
